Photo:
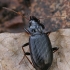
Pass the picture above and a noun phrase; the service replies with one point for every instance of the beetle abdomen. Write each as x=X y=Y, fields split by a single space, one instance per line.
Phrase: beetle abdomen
x=41 y=51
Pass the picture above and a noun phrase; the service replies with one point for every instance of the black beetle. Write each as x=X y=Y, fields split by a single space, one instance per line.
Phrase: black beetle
x=39 y=43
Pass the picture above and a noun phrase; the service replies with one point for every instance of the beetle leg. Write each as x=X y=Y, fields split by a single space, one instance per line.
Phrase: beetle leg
x=48 y=33
x=27 y=57
x=27 y=53
x=55 y=49
x=27 y=31
x=24 y=51
x=26 y=44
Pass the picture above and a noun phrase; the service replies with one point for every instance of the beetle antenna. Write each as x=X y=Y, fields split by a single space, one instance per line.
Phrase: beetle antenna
x=19 y=13
x=50 y=17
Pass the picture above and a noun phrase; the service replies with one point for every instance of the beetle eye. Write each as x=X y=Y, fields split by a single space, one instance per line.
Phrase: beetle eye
x=33 y=30
x=29 y=24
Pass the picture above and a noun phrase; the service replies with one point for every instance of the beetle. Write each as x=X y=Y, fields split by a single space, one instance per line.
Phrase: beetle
x=41 y=50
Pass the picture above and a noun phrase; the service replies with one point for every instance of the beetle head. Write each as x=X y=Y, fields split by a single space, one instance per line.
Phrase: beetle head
x=35 y=27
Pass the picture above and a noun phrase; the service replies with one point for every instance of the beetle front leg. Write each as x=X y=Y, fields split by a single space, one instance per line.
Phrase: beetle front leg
x=55 y=49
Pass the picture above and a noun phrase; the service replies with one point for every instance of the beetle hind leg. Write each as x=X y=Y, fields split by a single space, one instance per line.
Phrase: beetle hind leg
x=26 y=53
x=55 y=49
x=26 y=44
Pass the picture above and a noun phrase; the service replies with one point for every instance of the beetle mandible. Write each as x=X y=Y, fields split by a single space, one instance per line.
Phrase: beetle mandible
x=39 y=43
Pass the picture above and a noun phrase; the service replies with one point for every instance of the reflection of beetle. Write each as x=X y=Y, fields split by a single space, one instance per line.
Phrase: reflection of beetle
x=41 y=50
